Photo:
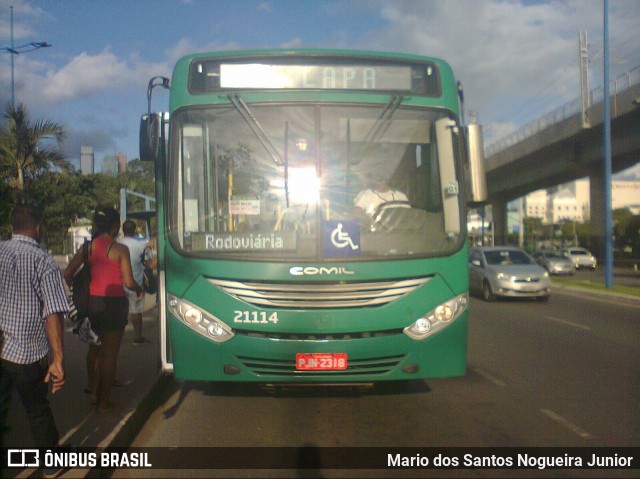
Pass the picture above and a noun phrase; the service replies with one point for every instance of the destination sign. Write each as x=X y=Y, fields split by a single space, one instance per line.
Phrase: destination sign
x=329 y=73
x=324 y=77
x=240 y=242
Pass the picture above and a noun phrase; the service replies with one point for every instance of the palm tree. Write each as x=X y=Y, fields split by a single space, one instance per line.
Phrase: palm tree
x=21 y=153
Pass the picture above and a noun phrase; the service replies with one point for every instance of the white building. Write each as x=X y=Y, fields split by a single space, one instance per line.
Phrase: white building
x=571 y=201
x=87 y=160
x=536 y=204
x=626 y=194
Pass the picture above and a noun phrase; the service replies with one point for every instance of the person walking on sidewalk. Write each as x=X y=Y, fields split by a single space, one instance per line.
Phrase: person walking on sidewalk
x=139 y=255
x=32 y=307
x=108 y=307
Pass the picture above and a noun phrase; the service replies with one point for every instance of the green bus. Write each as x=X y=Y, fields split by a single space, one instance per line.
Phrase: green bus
x=312 y=216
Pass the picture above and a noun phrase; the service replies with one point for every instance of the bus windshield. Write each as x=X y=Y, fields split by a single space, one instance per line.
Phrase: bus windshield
x=313 y=182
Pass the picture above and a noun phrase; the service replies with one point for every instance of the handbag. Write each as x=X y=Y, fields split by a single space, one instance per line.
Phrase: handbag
x=80 y=284
x=81 y=326
x=79 y=302
x=149 y=280
x=150 y=285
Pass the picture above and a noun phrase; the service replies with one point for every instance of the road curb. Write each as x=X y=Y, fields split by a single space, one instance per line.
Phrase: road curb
x=577 y=291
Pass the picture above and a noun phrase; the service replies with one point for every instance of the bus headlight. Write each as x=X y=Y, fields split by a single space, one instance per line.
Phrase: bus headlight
x=199 y=320
x=438 y=318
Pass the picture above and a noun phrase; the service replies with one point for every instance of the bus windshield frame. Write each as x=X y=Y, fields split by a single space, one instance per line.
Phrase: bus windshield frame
x=282 y=181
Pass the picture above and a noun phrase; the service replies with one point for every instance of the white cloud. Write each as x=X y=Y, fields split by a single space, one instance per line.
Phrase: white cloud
x=100 y=139
x=516 y=61
x=82 y=76
x=265 y=7
x=294 y=43
x=498 y=129
x=24 y=17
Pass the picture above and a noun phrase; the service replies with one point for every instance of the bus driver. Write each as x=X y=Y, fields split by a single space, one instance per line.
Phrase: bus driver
x=379 y=193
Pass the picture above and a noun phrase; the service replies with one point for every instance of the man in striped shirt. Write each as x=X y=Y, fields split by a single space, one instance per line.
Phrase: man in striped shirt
x=32 y=307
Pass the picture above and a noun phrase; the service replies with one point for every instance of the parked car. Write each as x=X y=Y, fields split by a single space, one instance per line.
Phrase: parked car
x=580 y=257
x=507 y=271
x=553 y=262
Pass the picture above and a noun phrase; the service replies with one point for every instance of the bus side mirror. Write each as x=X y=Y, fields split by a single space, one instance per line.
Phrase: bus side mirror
x=150 y=136
x=475 y=155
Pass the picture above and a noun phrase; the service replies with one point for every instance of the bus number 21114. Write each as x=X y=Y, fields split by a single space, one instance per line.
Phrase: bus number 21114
x=255 y=317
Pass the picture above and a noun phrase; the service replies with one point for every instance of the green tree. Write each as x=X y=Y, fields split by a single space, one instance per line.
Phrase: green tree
x=533 y=232
x=60 y=196
x=5 y=211
x=139 y=177
x=626 y=230
x=23 y=154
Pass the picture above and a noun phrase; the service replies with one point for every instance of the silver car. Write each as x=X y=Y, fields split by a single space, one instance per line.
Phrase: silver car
x=580 y=257
x=507 y=271
x=554 y=263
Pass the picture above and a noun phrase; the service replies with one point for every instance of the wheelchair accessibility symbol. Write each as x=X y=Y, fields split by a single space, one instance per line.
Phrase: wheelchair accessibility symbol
x=341 y=239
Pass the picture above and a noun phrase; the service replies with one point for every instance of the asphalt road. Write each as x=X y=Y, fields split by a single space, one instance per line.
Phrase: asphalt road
x=560 y=374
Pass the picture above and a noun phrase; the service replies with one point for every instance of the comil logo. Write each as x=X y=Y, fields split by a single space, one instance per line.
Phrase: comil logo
x=315 y=271
x=23 y=458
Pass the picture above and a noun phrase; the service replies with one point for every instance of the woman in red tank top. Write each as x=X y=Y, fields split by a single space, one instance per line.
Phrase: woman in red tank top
x=108 y=306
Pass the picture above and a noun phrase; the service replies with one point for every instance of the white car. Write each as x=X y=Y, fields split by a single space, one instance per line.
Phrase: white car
x=581 y=258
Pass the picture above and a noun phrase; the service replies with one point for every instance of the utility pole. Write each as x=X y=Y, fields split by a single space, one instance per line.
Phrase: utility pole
x=606 y=122
x=13 y=84
x=584 y=78
x=13 y=50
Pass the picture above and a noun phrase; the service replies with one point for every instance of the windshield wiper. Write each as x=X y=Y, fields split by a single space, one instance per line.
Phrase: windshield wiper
x=384 y=120
x=255 y=126
x=380 y=126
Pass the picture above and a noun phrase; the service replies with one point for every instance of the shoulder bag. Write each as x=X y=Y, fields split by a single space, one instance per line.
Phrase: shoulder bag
x=80 y=285
x=150 y=281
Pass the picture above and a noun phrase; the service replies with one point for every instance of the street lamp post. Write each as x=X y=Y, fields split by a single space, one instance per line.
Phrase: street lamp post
x=17 y=50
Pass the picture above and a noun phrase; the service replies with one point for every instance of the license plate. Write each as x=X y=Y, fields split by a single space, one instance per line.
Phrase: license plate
x=530 y=288
x=321 y=361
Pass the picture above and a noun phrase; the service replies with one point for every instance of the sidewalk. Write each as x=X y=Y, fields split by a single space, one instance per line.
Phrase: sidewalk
x=78 y=423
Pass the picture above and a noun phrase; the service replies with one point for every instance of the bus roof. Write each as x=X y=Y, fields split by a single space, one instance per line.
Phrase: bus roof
x=310 y=52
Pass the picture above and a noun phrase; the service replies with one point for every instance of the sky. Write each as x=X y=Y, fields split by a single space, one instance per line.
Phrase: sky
x=517 y=59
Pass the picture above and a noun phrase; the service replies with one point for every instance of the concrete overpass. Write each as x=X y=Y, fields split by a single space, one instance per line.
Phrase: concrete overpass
x=562 y=147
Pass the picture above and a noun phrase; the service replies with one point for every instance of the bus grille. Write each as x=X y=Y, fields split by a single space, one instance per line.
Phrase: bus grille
x=357 y=367
x=319 y=295
x=318 y=336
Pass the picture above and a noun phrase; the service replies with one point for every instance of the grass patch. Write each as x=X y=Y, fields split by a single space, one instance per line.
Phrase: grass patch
x=596 y=285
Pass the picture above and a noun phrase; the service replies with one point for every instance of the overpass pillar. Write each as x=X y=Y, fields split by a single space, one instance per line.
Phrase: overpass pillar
x=499 y=214
x=596 y=213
